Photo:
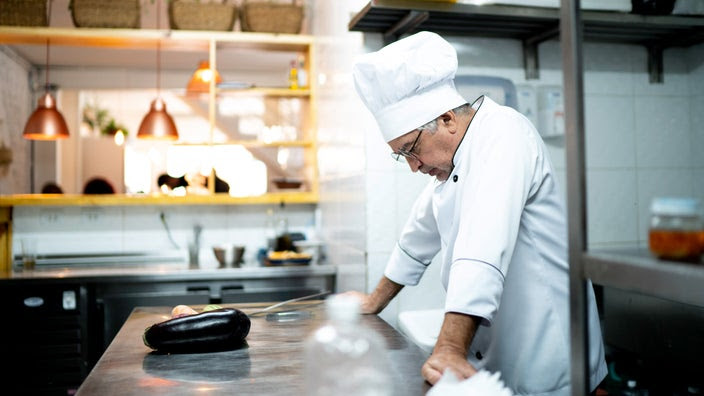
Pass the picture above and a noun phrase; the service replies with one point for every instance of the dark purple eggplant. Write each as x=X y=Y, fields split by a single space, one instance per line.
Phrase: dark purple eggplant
x=216 y=330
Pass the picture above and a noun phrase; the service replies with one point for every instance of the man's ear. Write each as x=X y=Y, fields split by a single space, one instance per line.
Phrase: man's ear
x=449 y=121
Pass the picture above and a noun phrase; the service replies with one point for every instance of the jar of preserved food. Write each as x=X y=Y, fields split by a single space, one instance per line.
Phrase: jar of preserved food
x=676 y=229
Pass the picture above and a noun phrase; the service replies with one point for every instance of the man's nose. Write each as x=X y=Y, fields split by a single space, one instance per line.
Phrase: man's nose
x=414 y=163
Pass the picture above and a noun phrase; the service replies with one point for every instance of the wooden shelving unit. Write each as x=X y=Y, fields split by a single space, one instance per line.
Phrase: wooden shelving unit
x=204 y=41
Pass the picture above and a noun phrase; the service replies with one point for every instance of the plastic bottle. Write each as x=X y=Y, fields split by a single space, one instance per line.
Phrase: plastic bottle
x=343 y=357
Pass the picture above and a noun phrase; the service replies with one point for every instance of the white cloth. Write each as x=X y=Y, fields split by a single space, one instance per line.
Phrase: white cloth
x=480 y=384
x=408 y=83
x=499 y=225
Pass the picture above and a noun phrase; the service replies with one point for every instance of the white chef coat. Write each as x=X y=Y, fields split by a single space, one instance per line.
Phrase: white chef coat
x=499 y=225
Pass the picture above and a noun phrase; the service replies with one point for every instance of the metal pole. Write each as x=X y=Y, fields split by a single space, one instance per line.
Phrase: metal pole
x=571 y=41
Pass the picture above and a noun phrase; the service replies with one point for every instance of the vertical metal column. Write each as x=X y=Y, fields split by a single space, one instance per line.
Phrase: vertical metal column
x=212 y=87
x=571 y=41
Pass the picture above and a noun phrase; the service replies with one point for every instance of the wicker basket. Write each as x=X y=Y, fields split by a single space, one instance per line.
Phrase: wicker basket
x=193 y=15
x=271 y=17
x=23 y=12
x=105 y=13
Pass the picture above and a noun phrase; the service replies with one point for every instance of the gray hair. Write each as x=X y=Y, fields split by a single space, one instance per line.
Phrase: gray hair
x=432 y=126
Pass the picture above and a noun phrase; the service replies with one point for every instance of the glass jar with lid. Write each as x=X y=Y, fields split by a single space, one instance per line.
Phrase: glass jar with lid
x=676 y=229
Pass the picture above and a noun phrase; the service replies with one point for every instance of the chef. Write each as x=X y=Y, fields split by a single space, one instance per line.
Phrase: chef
x=492 y=212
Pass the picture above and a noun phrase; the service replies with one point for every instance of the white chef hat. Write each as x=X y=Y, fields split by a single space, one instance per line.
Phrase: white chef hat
x=408 y=83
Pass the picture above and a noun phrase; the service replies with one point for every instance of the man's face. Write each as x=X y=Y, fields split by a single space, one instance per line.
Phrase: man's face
x=431 y=153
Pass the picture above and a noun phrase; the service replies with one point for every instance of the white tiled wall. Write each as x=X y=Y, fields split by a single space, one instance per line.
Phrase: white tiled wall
x=139 y=229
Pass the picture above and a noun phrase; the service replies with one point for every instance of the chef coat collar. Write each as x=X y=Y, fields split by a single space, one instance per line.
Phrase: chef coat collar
x=457 y=157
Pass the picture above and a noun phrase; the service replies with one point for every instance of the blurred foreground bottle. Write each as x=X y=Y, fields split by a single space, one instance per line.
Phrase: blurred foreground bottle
x=343 y=357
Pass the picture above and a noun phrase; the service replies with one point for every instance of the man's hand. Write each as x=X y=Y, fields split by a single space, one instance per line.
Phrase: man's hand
x=450 y=350
x=378 y=300
x=367 y=305
x=443 y=359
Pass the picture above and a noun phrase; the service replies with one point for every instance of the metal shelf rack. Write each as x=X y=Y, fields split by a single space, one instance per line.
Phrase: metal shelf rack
x=531 y=25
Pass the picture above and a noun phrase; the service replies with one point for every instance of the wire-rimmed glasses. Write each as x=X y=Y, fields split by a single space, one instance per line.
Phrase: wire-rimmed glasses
x=402 y=153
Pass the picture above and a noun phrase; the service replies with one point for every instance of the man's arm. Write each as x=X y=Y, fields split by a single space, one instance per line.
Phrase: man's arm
x=375 y=302
x=450 y=350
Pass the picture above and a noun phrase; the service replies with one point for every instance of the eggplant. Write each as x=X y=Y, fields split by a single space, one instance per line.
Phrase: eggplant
x=216 y=330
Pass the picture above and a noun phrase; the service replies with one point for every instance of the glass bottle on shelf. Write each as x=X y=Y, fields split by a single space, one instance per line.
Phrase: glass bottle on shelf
x=302 y=73
x=293 y=75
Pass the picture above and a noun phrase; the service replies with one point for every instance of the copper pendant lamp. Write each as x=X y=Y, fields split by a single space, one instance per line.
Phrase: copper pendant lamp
x=200 y=81
x=158 y=124
x=46 y=122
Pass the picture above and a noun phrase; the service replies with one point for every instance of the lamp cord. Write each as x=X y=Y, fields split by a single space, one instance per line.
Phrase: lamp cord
x=46 y=81
x=158 y=51
x=48 y=23
x=168 y=231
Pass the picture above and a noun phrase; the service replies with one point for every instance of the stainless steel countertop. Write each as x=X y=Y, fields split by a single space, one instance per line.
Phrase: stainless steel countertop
x=271 y=363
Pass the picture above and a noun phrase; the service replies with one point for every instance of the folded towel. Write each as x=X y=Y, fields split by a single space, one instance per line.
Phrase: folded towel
x=482 y=383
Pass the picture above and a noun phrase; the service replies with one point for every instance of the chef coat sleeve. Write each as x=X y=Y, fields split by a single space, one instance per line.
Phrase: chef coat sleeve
x=503 y=157
x=418 y=244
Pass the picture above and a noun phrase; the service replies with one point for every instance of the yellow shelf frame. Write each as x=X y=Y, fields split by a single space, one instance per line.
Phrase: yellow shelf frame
x=148 y=38
x=190 y=40
x=303 y=197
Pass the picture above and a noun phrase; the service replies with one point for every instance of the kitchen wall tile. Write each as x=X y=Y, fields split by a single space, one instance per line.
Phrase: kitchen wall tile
x=550 y=63
x=78 y=241
x=28 y=219
x=662 y=128
x=609 y=131
x=381 y=211
x=556 y=150
x=376 y=264
x=351 y=269
x=675 y=74
x=658 y=183
x=698 y=183
x=97 y=218
x=408 y=187
x=493 y=55
x=695 y=66
x=607 y=69
x=697 y=128
x=144 y=231
x=377 y=151
x=611 y=206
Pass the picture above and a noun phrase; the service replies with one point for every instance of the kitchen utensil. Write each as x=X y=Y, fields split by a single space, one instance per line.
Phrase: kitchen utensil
x=282 y=303
x=284 y=183
x=228 y=255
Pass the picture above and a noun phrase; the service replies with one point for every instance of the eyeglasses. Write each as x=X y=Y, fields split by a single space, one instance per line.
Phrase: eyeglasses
x=401 y=153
